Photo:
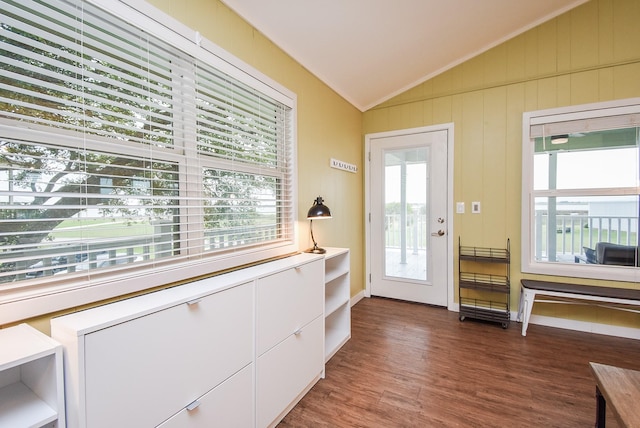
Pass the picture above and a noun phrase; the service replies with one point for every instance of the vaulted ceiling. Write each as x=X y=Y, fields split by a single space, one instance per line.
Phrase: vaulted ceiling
x=368 y=51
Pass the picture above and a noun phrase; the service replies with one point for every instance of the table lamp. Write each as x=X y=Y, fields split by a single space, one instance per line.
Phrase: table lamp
x=318 y=211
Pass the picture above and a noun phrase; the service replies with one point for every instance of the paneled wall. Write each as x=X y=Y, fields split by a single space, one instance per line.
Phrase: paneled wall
x=589 y=54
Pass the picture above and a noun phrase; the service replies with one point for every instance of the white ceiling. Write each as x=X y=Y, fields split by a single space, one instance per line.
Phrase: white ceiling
x=371 y=50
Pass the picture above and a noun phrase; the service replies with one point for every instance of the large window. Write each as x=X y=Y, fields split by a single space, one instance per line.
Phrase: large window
x=581 y=191
x=126 y=155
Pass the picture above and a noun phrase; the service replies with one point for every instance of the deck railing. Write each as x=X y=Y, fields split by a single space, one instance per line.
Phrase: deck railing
x=572 y=233
x=34 y=262
x=575 y=232
x=415 y=231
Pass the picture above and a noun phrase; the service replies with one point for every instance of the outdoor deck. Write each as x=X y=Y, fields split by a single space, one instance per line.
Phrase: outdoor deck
x=414 y=268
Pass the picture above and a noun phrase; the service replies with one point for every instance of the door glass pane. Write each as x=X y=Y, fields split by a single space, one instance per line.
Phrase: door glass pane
x=405 y=207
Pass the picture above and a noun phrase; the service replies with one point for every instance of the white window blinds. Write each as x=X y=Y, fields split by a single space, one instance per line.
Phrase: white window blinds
x=119 y=150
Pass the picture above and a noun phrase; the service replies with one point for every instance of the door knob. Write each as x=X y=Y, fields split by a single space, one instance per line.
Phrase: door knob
x=438 y=233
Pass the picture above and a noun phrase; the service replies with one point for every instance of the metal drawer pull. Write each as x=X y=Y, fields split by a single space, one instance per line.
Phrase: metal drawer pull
x=297 y=332
x=193 y=405
x=193 y=302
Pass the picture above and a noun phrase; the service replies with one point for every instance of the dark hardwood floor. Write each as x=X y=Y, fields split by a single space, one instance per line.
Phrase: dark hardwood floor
x=411 y=365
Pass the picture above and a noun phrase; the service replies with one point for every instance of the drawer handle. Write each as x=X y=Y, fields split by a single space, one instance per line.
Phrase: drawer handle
x=298 y=332
x=193 y=302
x=298 y=268
x=193 y=405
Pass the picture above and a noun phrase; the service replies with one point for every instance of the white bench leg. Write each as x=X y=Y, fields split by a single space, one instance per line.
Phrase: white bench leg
x=527 y=297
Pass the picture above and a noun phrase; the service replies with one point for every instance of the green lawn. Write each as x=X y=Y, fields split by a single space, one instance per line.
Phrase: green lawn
x=100 y=228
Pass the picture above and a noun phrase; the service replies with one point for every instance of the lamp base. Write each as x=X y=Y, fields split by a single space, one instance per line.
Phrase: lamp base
x=316 y=250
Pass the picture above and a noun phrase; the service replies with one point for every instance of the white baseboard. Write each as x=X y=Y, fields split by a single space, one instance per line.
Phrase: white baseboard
x=355 y=299
x=588 y=327
x=583 y=326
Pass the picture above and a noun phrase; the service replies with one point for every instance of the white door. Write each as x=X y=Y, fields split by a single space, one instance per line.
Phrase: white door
x=408 y=216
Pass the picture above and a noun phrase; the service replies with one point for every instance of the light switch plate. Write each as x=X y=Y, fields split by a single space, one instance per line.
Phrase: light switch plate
x=460 y=207
x=475 y=207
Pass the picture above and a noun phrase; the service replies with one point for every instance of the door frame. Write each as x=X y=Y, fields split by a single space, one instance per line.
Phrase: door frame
x=449 y=221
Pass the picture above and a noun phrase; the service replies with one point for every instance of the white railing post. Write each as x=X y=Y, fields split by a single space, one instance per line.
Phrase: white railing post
x=415 y=232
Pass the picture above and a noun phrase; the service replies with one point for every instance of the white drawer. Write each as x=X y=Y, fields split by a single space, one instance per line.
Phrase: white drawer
x=229 y=405
x=141 y=372
x=285 y=370
x=287 y=301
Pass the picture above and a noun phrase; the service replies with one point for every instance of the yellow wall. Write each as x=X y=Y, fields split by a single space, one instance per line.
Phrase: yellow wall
x=589 y=54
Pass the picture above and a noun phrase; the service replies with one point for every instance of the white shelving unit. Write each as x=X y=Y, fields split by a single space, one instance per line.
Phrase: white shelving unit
x=337 y=308
x=238 y=349
x=31 y=382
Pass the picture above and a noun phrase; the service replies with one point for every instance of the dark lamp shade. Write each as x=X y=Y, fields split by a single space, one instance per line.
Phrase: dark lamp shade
x=319 y=210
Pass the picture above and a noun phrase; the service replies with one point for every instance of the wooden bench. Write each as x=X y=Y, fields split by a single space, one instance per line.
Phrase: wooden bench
x=614 y=296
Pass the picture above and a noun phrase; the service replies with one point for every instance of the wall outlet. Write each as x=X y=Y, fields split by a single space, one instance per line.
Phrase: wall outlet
x=459 y=207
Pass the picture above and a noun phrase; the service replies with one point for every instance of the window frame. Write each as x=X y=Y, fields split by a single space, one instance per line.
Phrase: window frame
x=548 y=116
x=52 y=294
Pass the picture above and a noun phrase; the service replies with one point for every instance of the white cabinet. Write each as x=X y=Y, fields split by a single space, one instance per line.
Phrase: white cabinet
x=286 y=301
x=166 y=360
x=289 y=329
x=287 y=371
x=228 y=405
x=31 y=384
x=141 y=361
x=234 y=350
x=337 y=310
